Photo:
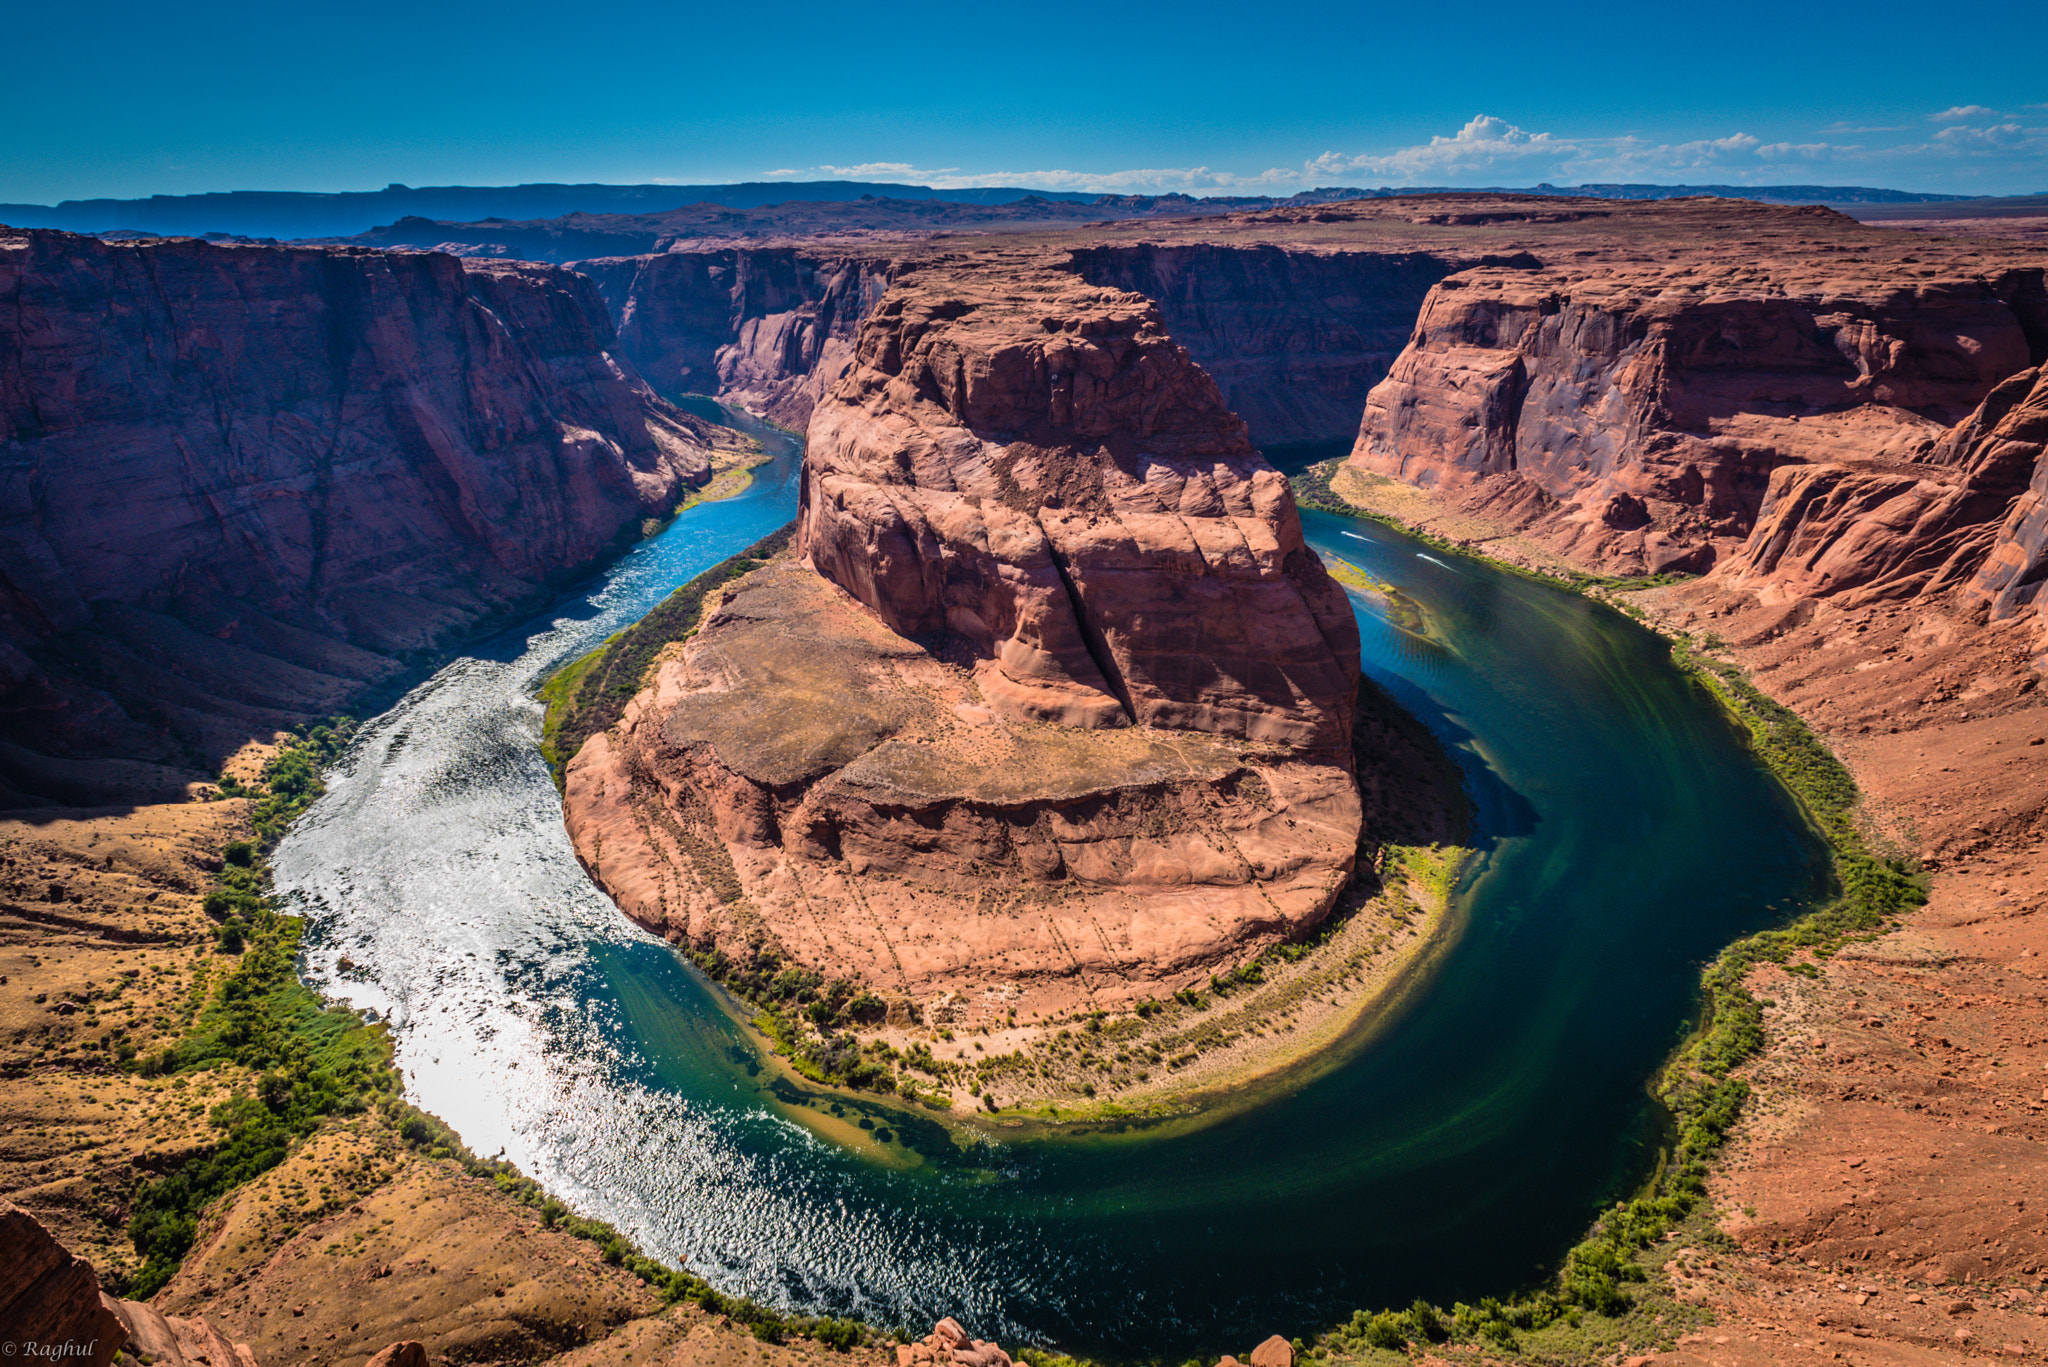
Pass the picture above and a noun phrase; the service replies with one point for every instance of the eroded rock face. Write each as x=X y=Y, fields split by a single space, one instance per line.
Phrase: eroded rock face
x=1052 y=701
x=807 y=781
x=2009 y=435
x=52 y=1309
x=1648 y=403
x=769 y=329
x=239 y=482
x=1037 y=468
x=1871 y=530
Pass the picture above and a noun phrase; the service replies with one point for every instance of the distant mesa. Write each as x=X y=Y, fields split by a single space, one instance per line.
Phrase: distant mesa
x=292 y=214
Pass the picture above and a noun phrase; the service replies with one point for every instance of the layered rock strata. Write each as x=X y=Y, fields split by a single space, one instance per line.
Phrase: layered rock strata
x=1058 y=702
x=1965 y=515
x=770 y=329
x=237 y=483
x=1643 y=406
x=1295 y=339
x=1049 y=476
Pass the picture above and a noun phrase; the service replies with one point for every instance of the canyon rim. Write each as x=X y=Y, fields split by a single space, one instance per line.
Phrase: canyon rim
x=1043 y=714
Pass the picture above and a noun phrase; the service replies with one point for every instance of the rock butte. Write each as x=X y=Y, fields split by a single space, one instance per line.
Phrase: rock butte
x=1056 y=693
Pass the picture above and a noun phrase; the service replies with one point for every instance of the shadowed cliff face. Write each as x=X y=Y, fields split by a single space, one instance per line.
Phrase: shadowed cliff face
x=238 y=483
x=1647 y=404
x=1294 y=339
x=768 y=329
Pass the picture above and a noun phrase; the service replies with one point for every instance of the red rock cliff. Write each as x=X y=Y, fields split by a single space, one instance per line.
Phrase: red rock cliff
x=237 y=482
x=769 y=329
x=1967 y=518
x=951 y=755
x=2009 y=434
x=1034 y=465
x=1645 y=403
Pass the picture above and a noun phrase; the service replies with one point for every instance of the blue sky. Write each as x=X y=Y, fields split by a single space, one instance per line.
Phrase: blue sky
x=127 y=99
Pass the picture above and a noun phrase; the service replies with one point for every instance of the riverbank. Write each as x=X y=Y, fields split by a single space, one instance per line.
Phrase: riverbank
x=1286 y=1018
x=155 y=1043
x=359 y=1222
x=1893 y=1094
x=1071 y=1047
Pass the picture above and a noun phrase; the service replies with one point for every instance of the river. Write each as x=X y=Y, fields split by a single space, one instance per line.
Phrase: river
x=1626 y=834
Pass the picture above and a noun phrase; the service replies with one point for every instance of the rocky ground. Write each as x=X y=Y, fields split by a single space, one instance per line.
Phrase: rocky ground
x=358 y=1239
x=1880 y=1190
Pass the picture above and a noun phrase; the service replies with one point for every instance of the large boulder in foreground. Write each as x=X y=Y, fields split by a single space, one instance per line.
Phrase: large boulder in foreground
x=49 y=1297
x=52 y=1309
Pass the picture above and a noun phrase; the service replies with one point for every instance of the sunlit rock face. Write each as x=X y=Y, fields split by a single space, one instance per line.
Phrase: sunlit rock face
x=1048 y=700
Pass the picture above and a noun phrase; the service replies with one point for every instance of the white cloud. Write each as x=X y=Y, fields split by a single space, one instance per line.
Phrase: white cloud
x=1960 y=112
x=1998 y=135
x=900 y=172
x=1489 y=150
x=1494 y=150
x=1483 y=144
x=1805 y=151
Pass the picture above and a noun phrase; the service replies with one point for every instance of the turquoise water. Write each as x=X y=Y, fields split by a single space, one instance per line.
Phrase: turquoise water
x=1626 y=834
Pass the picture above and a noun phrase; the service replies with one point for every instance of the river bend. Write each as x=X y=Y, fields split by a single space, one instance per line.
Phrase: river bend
x=1626 y=835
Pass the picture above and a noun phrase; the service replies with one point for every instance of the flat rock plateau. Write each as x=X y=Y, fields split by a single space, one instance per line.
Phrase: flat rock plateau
x=243 y=484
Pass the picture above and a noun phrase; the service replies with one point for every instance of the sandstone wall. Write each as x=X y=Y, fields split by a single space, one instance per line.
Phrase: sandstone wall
x=769 y=329
x=1648 y=404
x=238 y=482
x=1968 y=519
x=1294 y=338
x=1033 y=465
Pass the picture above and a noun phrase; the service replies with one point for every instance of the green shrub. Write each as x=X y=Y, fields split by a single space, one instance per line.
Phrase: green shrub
x=1387 y=1330
x=589 y=695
